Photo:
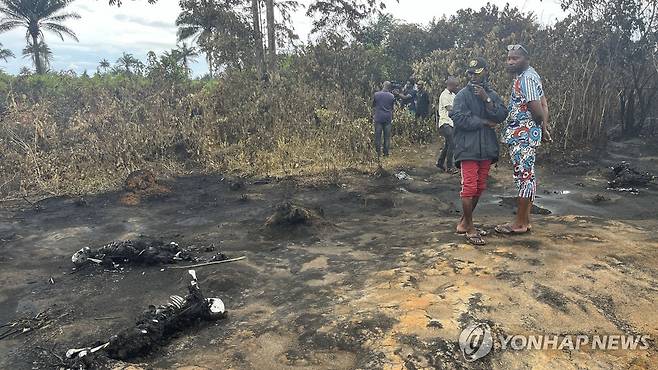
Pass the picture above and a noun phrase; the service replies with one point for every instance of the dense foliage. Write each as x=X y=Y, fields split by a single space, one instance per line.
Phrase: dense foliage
x=65 y=133
x=62 y=133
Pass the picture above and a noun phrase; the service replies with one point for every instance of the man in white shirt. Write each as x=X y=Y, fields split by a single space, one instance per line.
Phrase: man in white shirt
x=445 y=161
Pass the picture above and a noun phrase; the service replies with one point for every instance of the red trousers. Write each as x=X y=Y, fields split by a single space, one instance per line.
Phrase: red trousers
x=474 y=178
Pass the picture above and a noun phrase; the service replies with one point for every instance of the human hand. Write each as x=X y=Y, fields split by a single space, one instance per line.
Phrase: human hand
x=490 y=124
x=546 y=135
x=481 y=92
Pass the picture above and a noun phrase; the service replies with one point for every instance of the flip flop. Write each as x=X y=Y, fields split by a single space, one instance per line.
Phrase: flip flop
x=475 y=239
x=507 y=230
x=482 y=232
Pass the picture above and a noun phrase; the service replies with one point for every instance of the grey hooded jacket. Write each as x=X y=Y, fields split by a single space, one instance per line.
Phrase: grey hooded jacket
x=473 y=139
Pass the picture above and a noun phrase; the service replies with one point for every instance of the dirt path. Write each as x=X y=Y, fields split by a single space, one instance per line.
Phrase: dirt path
x=356 y=290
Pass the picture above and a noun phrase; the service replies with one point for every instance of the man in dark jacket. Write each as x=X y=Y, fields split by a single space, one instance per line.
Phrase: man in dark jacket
x=477 y=110
x=382 y=104
x=408 y=96
x=423 y=103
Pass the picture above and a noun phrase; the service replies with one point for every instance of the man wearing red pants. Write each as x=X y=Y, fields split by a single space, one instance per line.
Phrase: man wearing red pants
x=476 y=111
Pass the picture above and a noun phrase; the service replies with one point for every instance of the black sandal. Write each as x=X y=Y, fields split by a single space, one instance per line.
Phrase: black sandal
x=475 y=239
x=507 y=230
x=482 y=232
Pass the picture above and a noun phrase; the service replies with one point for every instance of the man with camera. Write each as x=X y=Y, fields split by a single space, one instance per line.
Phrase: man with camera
x=477 y=110
x=423 y=103
x=408 y=96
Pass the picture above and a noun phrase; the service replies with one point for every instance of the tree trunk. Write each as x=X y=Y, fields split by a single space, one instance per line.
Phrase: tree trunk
x=209 y=59
x=258 y=39
x=210 y=49
x=271 y=31
x=37 y=58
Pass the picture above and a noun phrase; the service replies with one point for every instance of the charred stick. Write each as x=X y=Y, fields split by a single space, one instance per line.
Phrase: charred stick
x=209 y=263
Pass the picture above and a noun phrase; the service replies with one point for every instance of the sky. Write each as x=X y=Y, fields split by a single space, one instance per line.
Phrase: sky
x=136 y=27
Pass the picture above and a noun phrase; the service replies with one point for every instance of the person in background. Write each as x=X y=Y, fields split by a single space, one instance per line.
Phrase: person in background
x=408 y=96
x=445 y=161
x=477 y=110
x=423 y=105
x=527 y=126
x=382 y=104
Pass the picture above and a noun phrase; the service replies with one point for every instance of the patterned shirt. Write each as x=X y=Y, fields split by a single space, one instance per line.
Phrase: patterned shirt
x=521 y=128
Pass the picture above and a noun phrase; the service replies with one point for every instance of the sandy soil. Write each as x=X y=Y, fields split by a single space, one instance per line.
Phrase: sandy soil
x=358 y=288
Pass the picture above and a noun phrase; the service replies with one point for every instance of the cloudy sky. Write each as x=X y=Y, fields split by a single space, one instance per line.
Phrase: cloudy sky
x=136 y=27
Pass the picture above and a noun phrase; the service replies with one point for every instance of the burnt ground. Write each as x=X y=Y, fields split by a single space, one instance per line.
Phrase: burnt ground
x=358 y=287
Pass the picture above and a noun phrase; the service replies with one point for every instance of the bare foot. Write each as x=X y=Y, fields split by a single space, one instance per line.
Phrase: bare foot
x=461 y=229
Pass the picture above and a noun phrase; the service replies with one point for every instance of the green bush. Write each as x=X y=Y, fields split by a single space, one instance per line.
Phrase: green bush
x=60 y=133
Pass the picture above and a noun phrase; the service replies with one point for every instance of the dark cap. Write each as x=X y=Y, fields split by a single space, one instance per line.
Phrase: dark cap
x=477 y=65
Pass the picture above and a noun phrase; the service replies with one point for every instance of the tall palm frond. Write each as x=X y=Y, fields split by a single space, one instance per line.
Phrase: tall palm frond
x=197 y=22
x=42 y=50
x=186 y=54
x=5 y=53
x=37 y=16
x=127 y=62
x=103 y=65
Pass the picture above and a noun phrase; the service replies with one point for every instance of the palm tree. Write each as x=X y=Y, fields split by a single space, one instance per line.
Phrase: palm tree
x=104 y=65
x=139 y=67
x=127 y=61
x=40 y=54
x=5 y=53
x=186 y=54
x=172 y=54
x=37 y=16
x=198 y=22
x=118 y=2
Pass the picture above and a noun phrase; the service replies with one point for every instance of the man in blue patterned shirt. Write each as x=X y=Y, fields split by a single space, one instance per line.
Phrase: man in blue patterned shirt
x=526 y=127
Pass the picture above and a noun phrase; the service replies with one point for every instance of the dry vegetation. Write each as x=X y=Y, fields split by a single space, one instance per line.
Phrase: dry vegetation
x=94 y=131
x=61 y=133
